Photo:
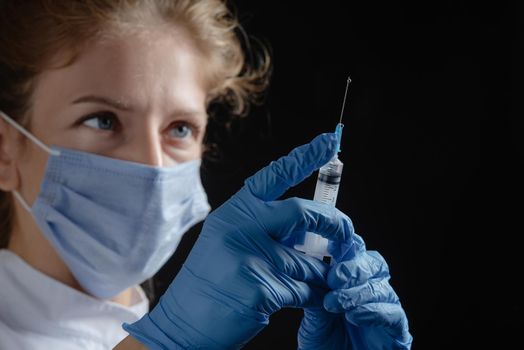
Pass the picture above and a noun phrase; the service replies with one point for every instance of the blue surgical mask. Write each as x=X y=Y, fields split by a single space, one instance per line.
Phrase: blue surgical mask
x=114 y=222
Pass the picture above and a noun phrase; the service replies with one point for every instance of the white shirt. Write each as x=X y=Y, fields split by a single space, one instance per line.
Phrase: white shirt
x=38 y=312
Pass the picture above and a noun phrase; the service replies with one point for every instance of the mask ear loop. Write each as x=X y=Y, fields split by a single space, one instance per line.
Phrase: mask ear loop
x=37 y=142
x=30 y=136
x=22 y=201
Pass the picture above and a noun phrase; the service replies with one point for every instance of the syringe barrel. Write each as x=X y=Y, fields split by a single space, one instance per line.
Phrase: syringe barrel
x=328 y=182
x=326 y=191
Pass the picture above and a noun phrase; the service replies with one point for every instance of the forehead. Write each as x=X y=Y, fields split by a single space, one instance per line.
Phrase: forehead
x=144 y=67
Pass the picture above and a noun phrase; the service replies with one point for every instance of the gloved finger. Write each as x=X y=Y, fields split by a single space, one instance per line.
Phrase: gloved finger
x=317 y=323
x=341 y=251
x=285 y=217
x=319 y=329
x=357 y=271
x=294 y=264
x=272 y=181
x=374 y=291
x=302 y=295
x=278 y=290
x=390 y=316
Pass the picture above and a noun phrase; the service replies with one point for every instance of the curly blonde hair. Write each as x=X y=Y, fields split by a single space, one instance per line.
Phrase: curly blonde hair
x=32 y=32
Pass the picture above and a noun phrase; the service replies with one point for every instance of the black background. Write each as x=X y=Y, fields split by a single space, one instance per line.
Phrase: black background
x=433 y=150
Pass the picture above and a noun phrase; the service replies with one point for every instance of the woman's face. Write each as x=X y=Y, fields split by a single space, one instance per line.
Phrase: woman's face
x=139 y=98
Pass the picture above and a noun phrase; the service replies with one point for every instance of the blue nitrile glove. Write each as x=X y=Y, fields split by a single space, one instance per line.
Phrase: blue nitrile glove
x=238 y=273
x=363 y=310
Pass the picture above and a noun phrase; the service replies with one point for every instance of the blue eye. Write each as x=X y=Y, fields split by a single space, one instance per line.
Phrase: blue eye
x=180 y=131
x=101 y=121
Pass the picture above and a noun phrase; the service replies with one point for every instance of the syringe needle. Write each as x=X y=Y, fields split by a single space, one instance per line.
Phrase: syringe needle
x=326 y=192
x=344 y=102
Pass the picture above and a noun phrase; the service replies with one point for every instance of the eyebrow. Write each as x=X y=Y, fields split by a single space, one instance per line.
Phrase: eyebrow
x=128 y=108
x=106 y=101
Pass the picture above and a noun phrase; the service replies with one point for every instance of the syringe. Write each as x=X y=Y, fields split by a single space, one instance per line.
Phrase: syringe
x=326 y=191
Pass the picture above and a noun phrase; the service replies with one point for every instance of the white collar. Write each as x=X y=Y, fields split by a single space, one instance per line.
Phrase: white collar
x=34 y=302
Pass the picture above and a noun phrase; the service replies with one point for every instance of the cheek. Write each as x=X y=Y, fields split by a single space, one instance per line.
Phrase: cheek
x=191 y=153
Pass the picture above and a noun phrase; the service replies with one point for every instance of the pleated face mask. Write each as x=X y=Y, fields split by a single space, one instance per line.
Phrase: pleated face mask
x=114 y=222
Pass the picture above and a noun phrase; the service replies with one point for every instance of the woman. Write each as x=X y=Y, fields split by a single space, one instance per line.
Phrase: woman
x=103 y=112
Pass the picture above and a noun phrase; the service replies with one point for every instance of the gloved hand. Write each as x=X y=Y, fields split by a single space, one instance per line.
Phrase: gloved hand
x=237 y=273
x=363 y=310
